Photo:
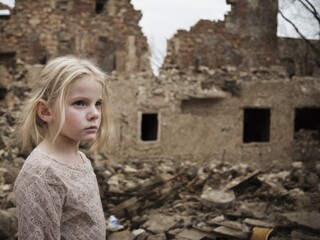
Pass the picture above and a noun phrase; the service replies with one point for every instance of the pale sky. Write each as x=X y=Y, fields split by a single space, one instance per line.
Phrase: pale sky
x=162 y=18
x=306 y=23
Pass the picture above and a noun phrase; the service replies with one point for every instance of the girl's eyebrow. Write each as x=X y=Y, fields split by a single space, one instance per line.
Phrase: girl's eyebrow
x=84 y=98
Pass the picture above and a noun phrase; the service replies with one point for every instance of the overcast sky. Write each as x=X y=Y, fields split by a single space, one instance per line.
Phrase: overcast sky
x=161 y=19
x=307 y=24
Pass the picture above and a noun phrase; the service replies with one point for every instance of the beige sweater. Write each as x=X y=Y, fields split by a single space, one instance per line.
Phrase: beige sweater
x=56 y=200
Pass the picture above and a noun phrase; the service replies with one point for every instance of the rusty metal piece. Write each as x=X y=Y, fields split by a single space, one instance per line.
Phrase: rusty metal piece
x=261 y=233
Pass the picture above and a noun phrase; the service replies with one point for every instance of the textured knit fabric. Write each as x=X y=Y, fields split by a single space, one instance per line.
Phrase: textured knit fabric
x=56 y=200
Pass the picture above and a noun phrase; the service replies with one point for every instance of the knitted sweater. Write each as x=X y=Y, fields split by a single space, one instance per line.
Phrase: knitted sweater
x=56 y=200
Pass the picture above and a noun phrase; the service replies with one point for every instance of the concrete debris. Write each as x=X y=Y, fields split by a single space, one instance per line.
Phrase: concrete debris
x=211 y=198
x=307 y=220
x=193 y=234
x=181 y=213
x=160 y=223
x=257 y=222
x=8 y=223
x=231 y=232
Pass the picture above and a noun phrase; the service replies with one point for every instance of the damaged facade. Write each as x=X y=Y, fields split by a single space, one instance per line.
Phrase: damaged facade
x=87 y=28
x=229 y=90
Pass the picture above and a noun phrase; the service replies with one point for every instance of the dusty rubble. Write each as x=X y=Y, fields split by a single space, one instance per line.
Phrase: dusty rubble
x=175 y=203
x=166 y=200
x=160 y=199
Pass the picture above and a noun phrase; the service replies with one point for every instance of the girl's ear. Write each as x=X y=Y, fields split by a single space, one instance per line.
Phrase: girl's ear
x=43 y=111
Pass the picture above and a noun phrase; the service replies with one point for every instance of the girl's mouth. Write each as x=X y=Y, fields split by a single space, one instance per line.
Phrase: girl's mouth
x=92 y=128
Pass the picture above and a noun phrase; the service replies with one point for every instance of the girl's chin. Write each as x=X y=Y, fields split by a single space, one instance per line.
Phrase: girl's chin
x=88 y=138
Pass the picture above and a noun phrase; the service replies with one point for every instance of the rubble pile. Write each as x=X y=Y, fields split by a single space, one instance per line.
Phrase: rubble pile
x=165 y=200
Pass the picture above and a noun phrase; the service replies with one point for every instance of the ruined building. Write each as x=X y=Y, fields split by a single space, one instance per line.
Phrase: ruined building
x=228 y=90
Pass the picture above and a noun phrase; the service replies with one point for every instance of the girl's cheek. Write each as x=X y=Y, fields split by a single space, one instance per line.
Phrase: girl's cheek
x=73 y=117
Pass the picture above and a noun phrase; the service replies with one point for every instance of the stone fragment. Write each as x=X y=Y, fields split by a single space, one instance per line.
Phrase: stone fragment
x=159 y=236
x=313 y=180
x=193 y=234
x=33 y=73
x=140 y=234
x=159 y=223
x=121 y=235
x=231 y=232
x=257 y=222
x=303 y=235
x=6 y=79
x=223 y=199
x=8 y=223
x=307 y=220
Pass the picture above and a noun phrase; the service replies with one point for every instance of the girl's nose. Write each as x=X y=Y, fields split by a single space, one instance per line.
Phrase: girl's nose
x=94 y=113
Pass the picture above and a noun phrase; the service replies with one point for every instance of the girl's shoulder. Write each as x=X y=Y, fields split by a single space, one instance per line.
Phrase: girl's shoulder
x=33 y=170
x=40 y=166
x=45 y=159
x=36 y=163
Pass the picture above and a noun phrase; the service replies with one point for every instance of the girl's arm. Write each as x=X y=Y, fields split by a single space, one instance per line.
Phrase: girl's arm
x=39 y=208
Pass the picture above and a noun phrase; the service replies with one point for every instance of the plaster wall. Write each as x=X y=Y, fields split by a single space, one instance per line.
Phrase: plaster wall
x=198 y=126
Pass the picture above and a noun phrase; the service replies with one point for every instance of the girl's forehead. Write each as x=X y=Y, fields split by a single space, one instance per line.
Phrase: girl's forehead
x=86 y=80
x=86 y=85
x=85 y=77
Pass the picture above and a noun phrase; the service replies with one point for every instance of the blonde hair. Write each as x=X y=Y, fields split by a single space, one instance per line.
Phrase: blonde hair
x=53 y=86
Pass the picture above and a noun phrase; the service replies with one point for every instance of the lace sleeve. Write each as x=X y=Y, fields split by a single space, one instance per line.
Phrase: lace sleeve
x=39 y=206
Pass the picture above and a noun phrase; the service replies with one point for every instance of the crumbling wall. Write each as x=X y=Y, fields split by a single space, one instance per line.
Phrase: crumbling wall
x=298 y=57
x=40 y=30
x=202 y=115
x=246 y=38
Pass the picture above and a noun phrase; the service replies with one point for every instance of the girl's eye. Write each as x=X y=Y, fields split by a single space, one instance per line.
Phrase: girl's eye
x=79 y=103
x=99 y=103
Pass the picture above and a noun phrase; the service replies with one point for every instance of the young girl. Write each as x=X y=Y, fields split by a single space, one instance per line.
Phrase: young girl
x=57 y=194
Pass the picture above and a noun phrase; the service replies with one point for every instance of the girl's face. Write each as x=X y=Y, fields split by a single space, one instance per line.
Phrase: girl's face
x=82 y=110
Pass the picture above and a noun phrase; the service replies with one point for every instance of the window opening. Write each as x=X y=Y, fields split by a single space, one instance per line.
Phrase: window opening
x=43 y=60
x=5 y=14
x=307 y=119
x=290 y=67
x=100 y=5
x=149 y=127
x=8 y=59
x=256 y=125
x=62 y=5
